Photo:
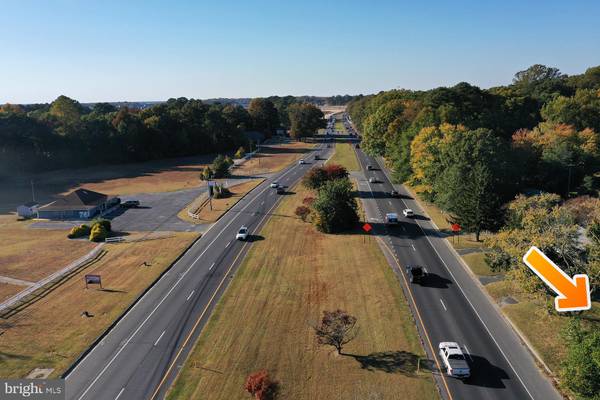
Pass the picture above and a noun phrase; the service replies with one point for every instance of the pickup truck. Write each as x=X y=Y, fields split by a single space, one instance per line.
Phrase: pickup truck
x=454 y=360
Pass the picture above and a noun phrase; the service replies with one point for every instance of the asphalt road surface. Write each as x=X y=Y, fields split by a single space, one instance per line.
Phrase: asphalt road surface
x=141 y=355
x=451 y=305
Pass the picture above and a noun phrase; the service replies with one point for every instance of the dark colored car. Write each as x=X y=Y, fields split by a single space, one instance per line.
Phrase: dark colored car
x=416 y=273
x=394 y=193
x=131 y=203
x=280 y=190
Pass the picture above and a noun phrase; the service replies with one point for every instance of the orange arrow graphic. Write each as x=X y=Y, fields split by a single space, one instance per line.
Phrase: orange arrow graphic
x=573 y=294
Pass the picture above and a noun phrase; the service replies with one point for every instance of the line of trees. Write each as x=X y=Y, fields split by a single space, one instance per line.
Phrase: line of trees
x=522 y=161
x=65 y=133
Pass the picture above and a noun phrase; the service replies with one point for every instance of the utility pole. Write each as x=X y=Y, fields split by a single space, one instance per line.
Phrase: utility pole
x=569 y=181
x=32 y=191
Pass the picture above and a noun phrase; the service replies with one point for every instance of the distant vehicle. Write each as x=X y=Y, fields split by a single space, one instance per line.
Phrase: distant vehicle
x=242 y=234
x=328 y=146
x=370 y=167
x=394 y=193
x=391 y=218
x=408 y=212
x=317 y=156
x=280 y=190
x=356 y=146
x=301 y=161
x=373 y=180
x=131 y=203
x=416 y=273
x=274 y=185
x=454 y=360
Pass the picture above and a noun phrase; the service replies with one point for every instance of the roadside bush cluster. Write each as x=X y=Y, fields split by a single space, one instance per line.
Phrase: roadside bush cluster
x=220 y=192
x=79 y=231
x=261 y=386
x=218 y=169
x=318 y=176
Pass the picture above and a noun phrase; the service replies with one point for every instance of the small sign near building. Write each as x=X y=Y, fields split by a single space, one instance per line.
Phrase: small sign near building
x=93 y=280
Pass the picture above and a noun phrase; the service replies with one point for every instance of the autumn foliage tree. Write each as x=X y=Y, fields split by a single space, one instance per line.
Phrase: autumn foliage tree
x=260 y=385
x=317 y=176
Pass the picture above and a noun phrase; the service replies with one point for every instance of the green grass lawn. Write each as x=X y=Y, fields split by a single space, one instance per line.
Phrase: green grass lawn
x=344 y=155
x=476 y=262
x=339 y=126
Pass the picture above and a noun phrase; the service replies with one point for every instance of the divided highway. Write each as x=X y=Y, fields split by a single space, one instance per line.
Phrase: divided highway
x=142 y=354
x=450 y=304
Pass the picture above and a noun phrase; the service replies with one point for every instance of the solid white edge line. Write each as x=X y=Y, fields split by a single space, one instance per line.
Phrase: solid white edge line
x=472 y=306
x=227 y=245
x=211 y=266
x=190 y=295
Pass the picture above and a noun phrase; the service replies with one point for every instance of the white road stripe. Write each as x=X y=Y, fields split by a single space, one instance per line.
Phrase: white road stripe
x=103 y=370
x=443 y=305
x=158 y=340
x=413 y=246
x=190 y=296
x=211 y=266
x=120 y=393
x=227 y=245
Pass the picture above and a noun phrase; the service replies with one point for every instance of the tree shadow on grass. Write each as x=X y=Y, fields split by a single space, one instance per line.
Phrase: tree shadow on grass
x=402 y=362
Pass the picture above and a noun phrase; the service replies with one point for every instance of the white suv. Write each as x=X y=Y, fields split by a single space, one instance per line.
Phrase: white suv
x=242 y=234
x=408 y=212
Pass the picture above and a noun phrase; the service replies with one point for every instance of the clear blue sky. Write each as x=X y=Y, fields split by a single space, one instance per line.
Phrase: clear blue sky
x=151 y=50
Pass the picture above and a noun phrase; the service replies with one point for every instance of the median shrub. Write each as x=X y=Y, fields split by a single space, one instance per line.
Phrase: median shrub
x=104 y=222
x=98 y=233
x=220 y=192
x=260 y=385
x=303 y=212
x=318 y=176
x=335 y=207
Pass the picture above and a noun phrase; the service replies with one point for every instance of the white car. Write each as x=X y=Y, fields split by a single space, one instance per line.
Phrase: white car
x=454 y=360
x=242 y=234
x=301 y=161
x=274 y=185
x=408 y=212
x=373 y=180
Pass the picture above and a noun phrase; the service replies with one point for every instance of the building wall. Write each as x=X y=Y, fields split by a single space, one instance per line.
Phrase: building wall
x=70 y=214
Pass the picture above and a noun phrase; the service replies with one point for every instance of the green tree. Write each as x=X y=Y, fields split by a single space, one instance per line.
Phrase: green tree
x=264 y=115
x=581 y=368
x=220 y=166
x=305 y=119
x=335 y=207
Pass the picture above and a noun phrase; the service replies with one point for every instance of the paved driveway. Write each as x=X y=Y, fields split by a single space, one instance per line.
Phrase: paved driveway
x=157 y=212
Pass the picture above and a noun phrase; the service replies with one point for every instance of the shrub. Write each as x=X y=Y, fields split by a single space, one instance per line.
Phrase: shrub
x=79 y=231
x=308 y=201
x=302 y=212
x=98 y=233
x=240 y=152
x=104 y=222
x=220 y=166
x=220 y=192
x=206 y=174
x=260 y=385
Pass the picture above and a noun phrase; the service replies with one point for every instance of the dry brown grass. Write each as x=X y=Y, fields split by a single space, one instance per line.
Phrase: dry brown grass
x=273 y=158
x=32 y=254
x=219 y=206
x=264 y=321
x=121 y=179
x=51 y=333
x=7 y=290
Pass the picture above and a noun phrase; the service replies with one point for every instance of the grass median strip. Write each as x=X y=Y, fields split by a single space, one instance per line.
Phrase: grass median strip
x=291 y=274
x=345 y=156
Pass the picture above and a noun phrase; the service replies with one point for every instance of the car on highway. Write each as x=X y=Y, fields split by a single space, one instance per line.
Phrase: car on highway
x=370 y=167
x=416 y=273
x=454 y=360
x=391 y=219
x=408 y=213
x=301 y=161
x=274 y=185
x=280 y=190
x=373 y=180
x=242 y=234
x=394 y=193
